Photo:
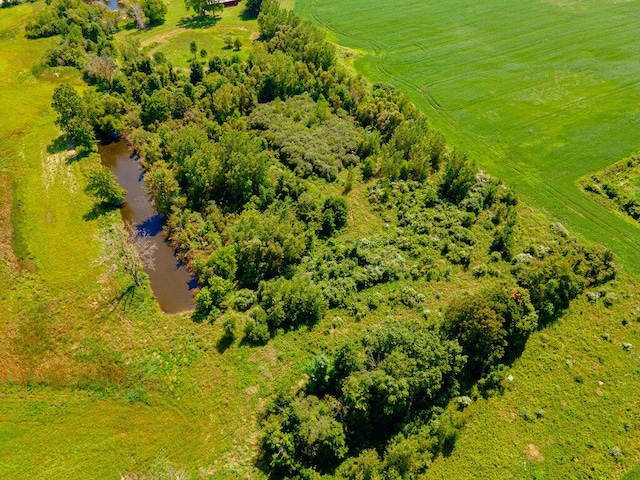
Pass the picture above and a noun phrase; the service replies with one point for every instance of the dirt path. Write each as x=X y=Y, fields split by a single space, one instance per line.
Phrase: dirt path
x=163 y=36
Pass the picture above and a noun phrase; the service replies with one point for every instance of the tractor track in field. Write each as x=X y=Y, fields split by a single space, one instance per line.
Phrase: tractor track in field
x=550 y=69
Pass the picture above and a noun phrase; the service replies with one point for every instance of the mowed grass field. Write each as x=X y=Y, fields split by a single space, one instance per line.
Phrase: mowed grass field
x=539 y=93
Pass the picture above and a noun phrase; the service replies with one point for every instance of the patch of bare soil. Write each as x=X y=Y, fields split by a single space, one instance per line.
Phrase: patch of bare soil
x=8 y=259
x=533 y=454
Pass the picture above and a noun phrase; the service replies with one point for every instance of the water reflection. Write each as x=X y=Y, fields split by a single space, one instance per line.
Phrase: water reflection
x=170 y=281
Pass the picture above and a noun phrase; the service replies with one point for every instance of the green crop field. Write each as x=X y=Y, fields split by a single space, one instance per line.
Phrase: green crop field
x=540 y=93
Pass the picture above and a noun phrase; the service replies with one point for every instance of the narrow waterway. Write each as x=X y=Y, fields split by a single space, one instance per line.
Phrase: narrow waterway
x=170 y=281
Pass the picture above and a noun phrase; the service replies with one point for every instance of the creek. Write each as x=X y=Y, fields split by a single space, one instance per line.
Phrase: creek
x=171 y=282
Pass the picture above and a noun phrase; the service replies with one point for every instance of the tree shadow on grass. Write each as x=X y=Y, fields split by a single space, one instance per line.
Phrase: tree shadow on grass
x=98 y=210
x=115 y=302
x=245 y=17
x=198 y=22
x=225 y=342
x=58 y=145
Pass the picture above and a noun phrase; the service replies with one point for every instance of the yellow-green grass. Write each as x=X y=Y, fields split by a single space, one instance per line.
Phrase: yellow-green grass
x=97 y=383
x=540 y=93
x=181 y=28
x=76 y=347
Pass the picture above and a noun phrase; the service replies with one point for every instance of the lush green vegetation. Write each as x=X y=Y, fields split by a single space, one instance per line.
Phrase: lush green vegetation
x=617 y=186
x=364 y=290
x=539 y=94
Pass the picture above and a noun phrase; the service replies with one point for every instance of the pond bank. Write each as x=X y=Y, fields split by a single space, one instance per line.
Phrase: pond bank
x=171 y=282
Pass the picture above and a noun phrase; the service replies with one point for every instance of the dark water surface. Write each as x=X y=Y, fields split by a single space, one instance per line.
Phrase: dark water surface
x=170 y=281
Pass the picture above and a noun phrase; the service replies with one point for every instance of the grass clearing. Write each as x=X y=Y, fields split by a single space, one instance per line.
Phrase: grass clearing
x=540 y=93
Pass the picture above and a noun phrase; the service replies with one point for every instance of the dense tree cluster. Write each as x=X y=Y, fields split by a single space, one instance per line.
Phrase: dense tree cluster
x=360 y=398
x=618 y=184
x=84 y=29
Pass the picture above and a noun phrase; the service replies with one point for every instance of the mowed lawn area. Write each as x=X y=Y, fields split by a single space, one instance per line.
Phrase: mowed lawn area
x=539 y=93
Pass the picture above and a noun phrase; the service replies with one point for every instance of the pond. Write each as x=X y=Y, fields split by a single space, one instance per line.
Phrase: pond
x=171 y=282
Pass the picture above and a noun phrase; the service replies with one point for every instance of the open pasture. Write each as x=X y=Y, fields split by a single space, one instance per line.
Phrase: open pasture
x=540 y=93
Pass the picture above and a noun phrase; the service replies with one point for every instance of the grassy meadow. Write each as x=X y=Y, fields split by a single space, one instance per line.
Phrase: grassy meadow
x=95 y=382
x=540 y=93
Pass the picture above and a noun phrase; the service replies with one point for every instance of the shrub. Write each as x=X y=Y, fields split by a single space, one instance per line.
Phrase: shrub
x=103 y=185
x=256 y=329
x=459 y=177
x=411 y=298
x=292 y=303
x=480 y=331
x=154 y=10
x=334 y=215
x=243 y=300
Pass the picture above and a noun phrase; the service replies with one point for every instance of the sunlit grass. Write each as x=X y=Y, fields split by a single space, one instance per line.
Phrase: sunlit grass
x=540 y=93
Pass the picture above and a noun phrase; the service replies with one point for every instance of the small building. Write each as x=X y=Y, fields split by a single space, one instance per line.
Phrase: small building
x=228 y=3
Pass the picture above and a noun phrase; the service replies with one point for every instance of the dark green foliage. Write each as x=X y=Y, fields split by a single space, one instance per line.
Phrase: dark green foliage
x=334 y=215
x=242 y=171
x=410 y=369
x=268 y=245
x=479 y=330
x=252 y=8
x=306 y=434
x=504 y=239
x=163 y=187
x=491 y=326
x=291 y=303
x=81 y=134
x=197 y=72
x=155 y=108
x=459 y=176
x=202 y=7
x=554 y=280
x=67 y=104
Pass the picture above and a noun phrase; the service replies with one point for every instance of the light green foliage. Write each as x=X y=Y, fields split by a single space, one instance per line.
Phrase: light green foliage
x=103 y=185
x=268 y=245
x=155 y=11
x=67 y=104
x=292 y=303
x=309 y=146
